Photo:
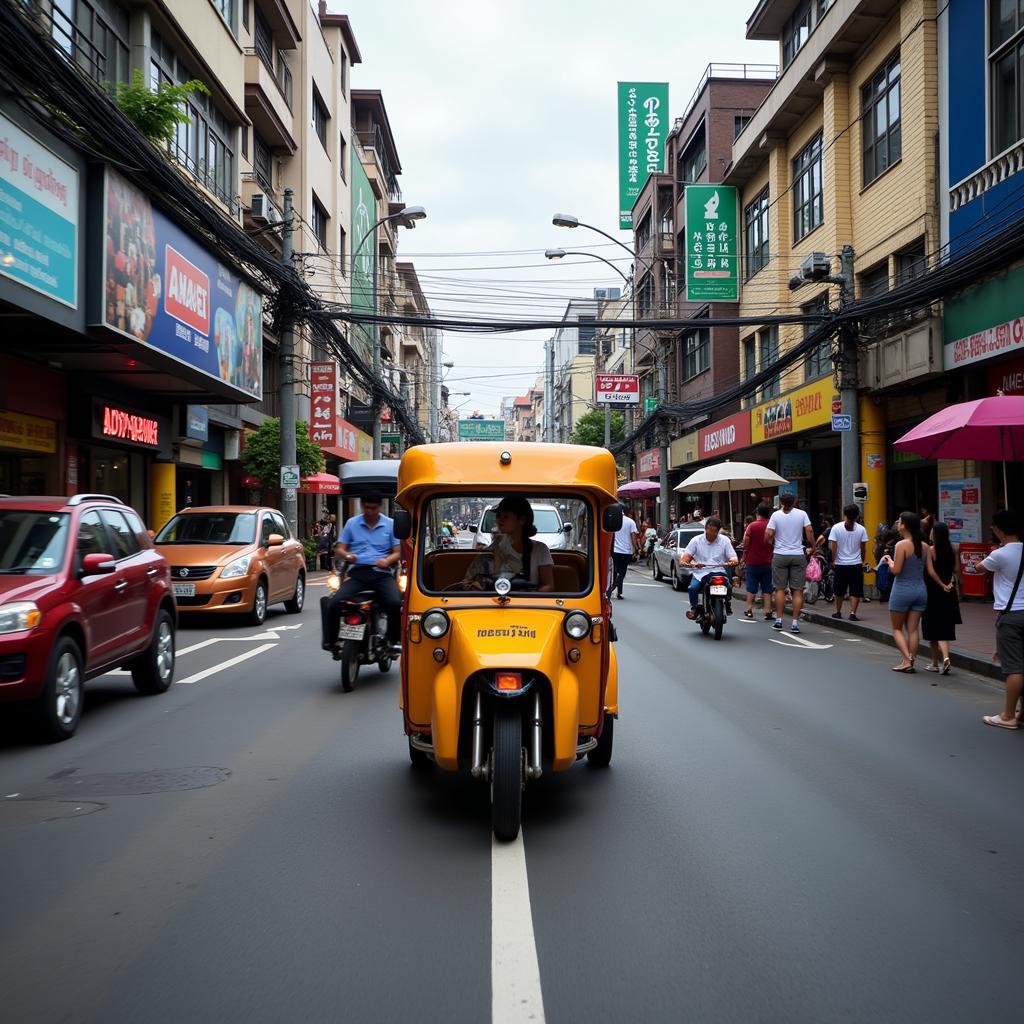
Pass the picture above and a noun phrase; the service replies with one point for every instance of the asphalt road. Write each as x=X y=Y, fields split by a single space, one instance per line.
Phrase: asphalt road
x=787 y=833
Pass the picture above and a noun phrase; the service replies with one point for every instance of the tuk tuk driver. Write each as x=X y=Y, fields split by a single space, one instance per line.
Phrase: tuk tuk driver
x=712 y=549
x=513 y=553
x=368 y=545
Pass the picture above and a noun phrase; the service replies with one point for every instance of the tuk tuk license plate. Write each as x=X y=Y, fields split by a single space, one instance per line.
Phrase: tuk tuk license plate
x=184 y=589
x=347 y=632
x=718 y=591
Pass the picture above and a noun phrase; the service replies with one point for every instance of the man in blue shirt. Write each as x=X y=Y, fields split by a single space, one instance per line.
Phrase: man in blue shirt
x=369 y=547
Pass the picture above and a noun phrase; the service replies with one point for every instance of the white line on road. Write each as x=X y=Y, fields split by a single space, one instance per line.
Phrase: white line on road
x=630 y=583
x=515 y=975
x=230 y=663
x=799 y=642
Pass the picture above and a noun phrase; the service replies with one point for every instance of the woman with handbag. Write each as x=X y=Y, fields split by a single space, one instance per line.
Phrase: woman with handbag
x=942 y=614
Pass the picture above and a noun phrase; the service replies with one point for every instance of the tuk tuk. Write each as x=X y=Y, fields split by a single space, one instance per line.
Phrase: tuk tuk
x=503 y=676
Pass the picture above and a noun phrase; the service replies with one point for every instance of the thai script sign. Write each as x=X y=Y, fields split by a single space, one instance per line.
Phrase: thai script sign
x=643 y=126
x=802 y=409
x=114 y=423
x=648 y=463
x=728 y=435
x=29 y=433
x=481 y=430
x=712 y=253
x=323 y=404
x=617 y=389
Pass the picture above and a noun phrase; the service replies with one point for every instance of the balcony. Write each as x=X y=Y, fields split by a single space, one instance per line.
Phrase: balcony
x=268 y=101
x=372 y=140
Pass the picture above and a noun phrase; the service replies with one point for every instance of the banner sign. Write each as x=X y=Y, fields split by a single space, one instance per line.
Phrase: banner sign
x=724 y=436
x=960 y=509
x=38 y=216
x=167 y=292
x=364 y=218
x=481 y=430
x=617 y=389
x=712 y=253
x=643 y=126
x=802 y=409
x=648 y=463
x=323 y=404
x=29 y=433
x=125 y=426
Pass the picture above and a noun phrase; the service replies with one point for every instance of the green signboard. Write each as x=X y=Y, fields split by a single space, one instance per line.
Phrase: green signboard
x=712 y=253
x=390 y=438
x=643 y=125
x=984 y=321
x=650 y=404
x=481 y=430
x=364 y=216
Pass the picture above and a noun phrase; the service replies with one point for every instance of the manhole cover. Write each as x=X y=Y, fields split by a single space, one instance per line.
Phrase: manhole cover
x=159 y=780
x=35 y=812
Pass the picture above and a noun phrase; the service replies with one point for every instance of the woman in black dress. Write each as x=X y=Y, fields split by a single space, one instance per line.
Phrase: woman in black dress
x=942 y=616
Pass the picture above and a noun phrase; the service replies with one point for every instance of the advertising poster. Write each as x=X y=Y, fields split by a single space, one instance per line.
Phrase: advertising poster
x=481 y=430
x=960 y=509
x=794 y=465
x=364 y=217
x=712 y=251
x=166 y=291
x=802 y=409
x=643 y=125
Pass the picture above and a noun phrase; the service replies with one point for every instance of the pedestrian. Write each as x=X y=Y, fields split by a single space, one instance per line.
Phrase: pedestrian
x=1007 y=566
x=790 y=534
x=908 y=597
x=848 y=546
x=710 y=550
x=885 y=544
x=821 y=542
x=942 y=616
x=650 y=539
x=624 y=548
x=757 y=562
x=927 y=522
x=323 y=547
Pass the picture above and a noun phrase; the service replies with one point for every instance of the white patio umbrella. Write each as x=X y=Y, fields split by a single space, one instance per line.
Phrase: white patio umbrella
x=731 y=476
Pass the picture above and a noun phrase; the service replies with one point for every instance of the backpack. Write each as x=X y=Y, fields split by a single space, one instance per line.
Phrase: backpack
x=814 y=570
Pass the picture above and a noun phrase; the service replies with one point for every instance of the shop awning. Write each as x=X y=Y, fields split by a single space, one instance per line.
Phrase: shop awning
x=320 y=483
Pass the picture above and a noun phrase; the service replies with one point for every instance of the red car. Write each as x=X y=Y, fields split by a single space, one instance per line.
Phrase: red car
x=82 y=591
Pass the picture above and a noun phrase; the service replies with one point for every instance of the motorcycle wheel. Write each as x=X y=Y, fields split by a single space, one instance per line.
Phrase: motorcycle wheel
x=507 y=774
x=705 y=622
x=658 y=574
x=384 y=663
x=601 y=755
x=718 y=616
x=349 y=665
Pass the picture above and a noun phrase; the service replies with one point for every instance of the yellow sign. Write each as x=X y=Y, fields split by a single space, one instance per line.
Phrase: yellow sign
x=364 y=446
x=162 y=479
x=683 y=450
x=802 y=409
x=30 y=433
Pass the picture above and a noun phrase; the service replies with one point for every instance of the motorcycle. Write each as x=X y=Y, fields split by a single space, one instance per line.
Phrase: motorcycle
x=714 y=600
x=362 y=635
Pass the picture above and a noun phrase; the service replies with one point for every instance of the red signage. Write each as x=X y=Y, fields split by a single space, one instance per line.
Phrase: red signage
x=649 y=462
x=120 y=425
x=617 y=389
x=723 y=436
x=1007 y=378
x=188 y=292
x=385 y=414
x=323 y=415
x=346 y=444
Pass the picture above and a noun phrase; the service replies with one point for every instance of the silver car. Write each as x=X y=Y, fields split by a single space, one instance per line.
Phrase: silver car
x=668 y=554
x=550 y=528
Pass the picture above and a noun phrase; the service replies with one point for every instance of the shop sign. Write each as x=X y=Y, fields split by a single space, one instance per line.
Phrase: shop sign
x=724 y=436
x=1007 y=378
x=683 y=450
x=323 y=402
x=38 y=216
x=960 y=509
x=985 y=321
x=197 y=423
x=29 y=433
x=650 y=406
x=712 y=251
x=167 y=292
x=802 y=409
x=364 y=230
x=649 y=462
x=643 y=126
x=481 y=430
x=364 y=446
x=617 y=389
x=794 y=465
x=125 y=426
x=346 y=444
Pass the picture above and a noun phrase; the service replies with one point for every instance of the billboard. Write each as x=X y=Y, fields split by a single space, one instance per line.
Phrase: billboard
x=643 y=126
x=364 y=218
x=727 y=435
x=802 y=409
x=167 y=292
x=712 y=253
x=323 y=404
x=481 y=430
x=617 y=389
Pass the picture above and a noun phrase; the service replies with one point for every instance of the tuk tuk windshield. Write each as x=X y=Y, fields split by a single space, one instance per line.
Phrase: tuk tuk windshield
x=481 y=553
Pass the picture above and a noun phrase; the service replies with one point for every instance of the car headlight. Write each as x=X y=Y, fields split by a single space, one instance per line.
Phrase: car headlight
x=239 y=567
x=18 y=616
x=435 y=624
x=576 y=625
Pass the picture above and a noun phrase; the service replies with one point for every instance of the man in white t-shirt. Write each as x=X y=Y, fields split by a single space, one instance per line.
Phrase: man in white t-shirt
x=789 y=532
x=1005 y=564
x=848 y=543
x=712 y=548
x=624 y=546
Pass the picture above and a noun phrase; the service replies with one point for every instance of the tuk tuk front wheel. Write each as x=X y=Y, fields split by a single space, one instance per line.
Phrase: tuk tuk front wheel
x=349 y=665
x=507 y=774
x=601 y=755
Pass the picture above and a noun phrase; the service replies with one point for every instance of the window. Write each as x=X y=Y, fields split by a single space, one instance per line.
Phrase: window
x=245 y=14
x=696 y=352
x=262 y=162
x=739 y=122
x=755 y=220
x=245 y=141
x=1006 y=71
x=749 y=360
x=320 y=118
x=911 y=264
x=643 y=231
x=227 y=11
x=267 y=527
x=796 y=32
x=585 y=334
x=342 y=265
x=342 y=155
x=126 y=543
x=769 y=345
x=880 y=119
x=694 y=161
x=263 y=39
x=819 y=359
x=92 y=537
x=94 y=34
x=342 y=70
x=808 y=200
x=319 y=223
x=280 y=526
x=875 y=281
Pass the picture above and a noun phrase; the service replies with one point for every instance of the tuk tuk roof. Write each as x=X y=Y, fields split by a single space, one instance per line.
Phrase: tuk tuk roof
x=477 y=465
x=358 y=478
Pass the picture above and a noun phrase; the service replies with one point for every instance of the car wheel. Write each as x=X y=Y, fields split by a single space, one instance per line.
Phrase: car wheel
x=60 y=706
x=258 y=614
x=658 y=574
x=677 y=584
x=153 y=672
x=601 y=755
x=299 y=599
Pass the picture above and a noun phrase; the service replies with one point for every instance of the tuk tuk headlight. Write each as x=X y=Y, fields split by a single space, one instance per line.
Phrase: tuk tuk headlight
x=576 y=625
x=435 y=623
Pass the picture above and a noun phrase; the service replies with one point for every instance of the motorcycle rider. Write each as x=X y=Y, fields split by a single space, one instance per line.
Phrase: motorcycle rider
x=712 y=549
x=369 y=547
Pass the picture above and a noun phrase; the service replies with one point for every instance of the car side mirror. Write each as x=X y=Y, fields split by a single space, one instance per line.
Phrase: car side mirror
x=275 y=540
x=567 y=528
x=611 y=519
x=98 y=565
x=401 y=524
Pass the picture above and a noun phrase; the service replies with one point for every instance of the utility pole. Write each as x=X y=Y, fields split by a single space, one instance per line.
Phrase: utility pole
x=549 y=401
x=376 y=351
x=286 y=375
x=607 y=425
x=662 y=436
x=848 y=370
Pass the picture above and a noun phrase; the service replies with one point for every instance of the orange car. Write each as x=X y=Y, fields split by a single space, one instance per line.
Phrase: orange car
x=233 y=559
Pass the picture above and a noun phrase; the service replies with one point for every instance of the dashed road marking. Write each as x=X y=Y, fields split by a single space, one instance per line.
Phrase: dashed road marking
x=230 y=663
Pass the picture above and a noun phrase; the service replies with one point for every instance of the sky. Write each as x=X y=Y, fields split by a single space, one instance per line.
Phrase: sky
x=504 y=113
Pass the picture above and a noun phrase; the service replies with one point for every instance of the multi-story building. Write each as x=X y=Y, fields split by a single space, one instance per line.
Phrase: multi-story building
x=571 y=368
x=416 y=349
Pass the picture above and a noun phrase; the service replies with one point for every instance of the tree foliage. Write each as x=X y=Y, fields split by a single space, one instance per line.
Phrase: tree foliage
x=262 y=454
x=156 y=114
x=589 y=428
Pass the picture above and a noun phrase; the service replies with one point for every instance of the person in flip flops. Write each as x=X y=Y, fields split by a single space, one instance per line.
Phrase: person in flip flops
x=1007 y=567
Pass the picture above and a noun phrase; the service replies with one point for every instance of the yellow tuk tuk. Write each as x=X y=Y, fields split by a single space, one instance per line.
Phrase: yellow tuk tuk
x=507 y=665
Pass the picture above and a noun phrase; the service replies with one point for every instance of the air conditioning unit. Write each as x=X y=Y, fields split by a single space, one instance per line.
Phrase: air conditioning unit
x=263 y=210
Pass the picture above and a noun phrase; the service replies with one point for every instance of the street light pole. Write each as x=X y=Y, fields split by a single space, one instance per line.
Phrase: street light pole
x=286 y=374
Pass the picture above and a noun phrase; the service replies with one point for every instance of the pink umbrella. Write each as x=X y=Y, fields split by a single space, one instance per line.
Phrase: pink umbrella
x=987 y=428
x=639 y=489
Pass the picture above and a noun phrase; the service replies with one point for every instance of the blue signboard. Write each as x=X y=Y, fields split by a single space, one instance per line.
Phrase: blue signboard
x=197 y=423
x=842 y=421
x=168 y=292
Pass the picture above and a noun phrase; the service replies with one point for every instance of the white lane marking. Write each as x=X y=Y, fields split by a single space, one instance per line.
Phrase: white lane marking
x=853 y=640
x=630 y=583
x=230 y=663
x=208 y=643
x=515 y=975
x=799 y=642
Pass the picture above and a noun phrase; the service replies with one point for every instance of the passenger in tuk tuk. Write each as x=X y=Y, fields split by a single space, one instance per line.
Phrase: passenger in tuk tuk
x=513 y=553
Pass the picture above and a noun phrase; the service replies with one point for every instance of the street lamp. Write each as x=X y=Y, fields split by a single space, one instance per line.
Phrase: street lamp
x=557 y=254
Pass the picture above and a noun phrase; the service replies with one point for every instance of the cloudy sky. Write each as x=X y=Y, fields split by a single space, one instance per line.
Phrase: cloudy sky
x=504 y=114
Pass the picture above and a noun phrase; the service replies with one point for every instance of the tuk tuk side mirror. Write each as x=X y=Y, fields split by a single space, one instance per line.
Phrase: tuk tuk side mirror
x=611 y=519
x=402 y=524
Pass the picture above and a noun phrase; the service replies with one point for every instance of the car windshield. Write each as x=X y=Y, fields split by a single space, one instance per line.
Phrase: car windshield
x=32 y=543
x=210 y=528
x=545 y=519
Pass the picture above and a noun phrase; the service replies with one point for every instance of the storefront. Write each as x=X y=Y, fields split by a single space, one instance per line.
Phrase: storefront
x=682 y=461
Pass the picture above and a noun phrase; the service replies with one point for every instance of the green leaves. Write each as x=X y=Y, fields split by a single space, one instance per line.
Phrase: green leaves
x=156 y=114
x=589 y=428
x=262 y=454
